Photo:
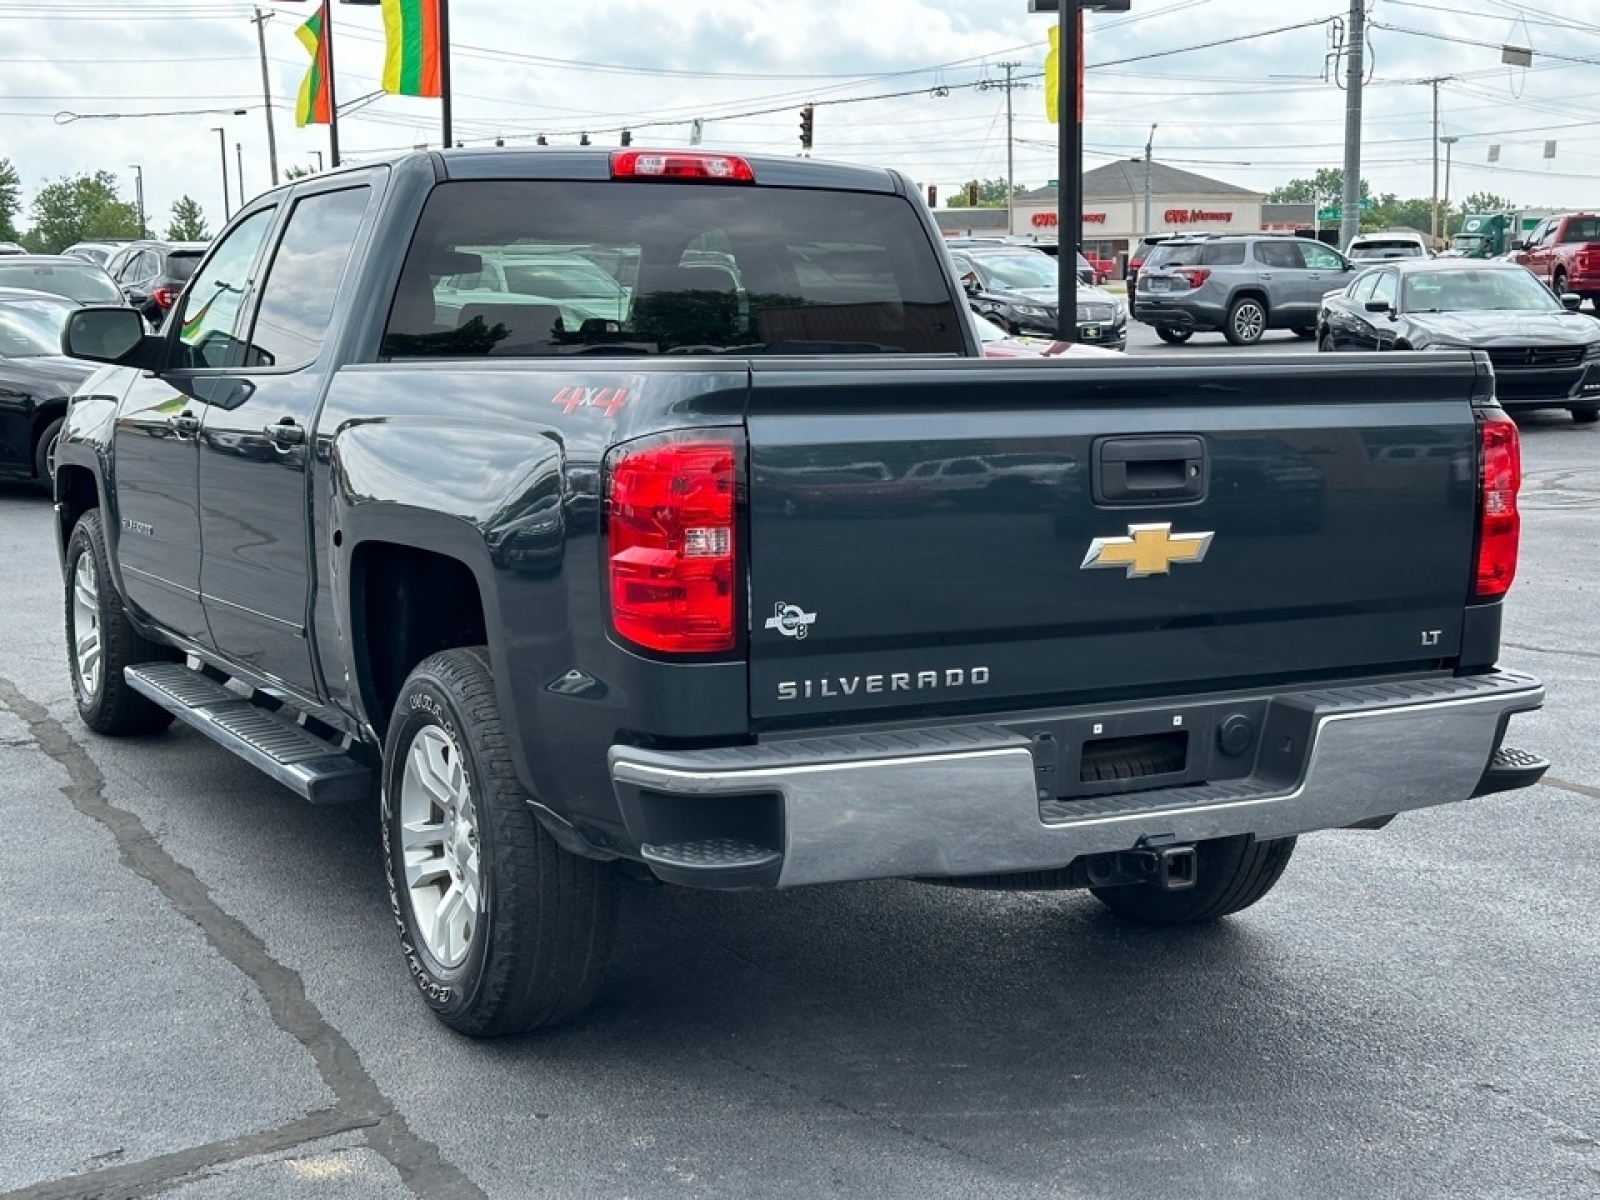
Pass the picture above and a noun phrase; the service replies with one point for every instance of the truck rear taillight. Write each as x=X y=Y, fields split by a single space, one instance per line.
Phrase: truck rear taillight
x=1196 y=275
x=680 y=164
x=671 y=544
x=165 y=297
x=1499 y=526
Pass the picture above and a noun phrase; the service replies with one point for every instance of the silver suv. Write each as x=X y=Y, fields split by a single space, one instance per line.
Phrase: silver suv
x=1239 y=286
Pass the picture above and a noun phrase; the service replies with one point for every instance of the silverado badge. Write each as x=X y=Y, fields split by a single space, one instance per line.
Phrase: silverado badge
x=1147 y=550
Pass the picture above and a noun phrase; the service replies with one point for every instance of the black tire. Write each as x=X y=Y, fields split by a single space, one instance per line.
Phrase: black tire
x=1172 y=336
x=44 y=455
x=1585 y=416
x=1247 y=321
x=1325 y=345
x=1559 y=284
x=106 y=703
x=1230 y=874
x=539 y=933
x=1305 y=332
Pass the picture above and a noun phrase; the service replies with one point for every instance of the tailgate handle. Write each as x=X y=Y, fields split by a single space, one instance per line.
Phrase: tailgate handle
x=1149 y=470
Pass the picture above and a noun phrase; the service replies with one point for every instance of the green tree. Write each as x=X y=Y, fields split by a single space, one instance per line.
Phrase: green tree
x=1391 y=212
x=10 y=200
x=188 y=222
x=991 y=194
x=298 y=172
x=80 y=208
x=1325 y=187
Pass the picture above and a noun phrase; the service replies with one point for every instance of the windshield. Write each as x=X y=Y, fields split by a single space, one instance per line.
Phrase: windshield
x=1021 y=270
x=80 y=281
x=181 y=264
x=1476 y=291
x=32 y=328
x=529 y=268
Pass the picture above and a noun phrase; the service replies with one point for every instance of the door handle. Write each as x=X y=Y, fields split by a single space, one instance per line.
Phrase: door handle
x=285 y=434
x=186 y=425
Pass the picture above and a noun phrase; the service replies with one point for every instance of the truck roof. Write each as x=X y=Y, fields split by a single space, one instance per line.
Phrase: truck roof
x=593 y=163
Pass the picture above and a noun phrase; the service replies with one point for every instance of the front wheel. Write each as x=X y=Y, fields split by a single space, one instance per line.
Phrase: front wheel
x=1231 y=874
x=101 y=641
x=1173 y=337
x=503 y=931
x=1247 y=321
x=44 y=455
x=1325 y=344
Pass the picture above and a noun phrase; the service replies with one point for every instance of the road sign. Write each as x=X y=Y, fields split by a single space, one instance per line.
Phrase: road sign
x=1054 y=183
x=1337 y=211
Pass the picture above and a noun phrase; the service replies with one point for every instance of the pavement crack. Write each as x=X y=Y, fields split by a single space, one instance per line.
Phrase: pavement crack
x=1563 y=653
x=166 y=1170
x=419 y=1163
x=1566 y=785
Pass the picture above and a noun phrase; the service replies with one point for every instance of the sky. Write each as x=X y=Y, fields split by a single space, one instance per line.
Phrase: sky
x=87 y=85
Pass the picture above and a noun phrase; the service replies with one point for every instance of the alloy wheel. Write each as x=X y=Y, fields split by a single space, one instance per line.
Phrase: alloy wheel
x=86 y=633
x=439 y=846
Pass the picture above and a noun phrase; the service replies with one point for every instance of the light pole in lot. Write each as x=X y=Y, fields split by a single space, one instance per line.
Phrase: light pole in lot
x=138 y=194
x=1069 y=117
x=222 y=145
x=1449 y=140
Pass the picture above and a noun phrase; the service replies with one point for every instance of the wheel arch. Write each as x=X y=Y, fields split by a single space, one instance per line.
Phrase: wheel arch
x=1251 y=291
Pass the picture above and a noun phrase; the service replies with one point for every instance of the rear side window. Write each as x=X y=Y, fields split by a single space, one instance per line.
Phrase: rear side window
x=1582 y=229
x=303 y=280
x=529 y=269
x=1283 y=255
x=180 y=266
x=1221 y=254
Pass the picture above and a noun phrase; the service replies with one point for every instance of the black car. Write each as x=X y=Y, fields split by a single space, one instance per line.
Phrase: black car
x=152 y=274
x=35 y=381
x=1545 y=354
x=1017 y=287
x=74 y=278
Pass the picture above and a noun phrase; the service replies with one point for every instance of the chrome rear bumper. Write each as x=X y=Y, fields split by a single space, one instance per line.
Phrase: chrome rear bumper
x=964 y=800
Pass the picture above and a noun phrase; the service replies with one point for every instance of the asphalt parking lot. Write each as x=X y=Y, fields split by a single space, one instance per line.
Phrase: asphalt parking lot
x=206 y=998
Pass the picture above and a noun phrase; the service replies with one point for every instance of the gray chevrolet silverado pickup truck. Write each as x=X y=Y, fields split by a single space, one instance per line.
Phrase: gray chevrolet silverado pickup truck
x=655 y=511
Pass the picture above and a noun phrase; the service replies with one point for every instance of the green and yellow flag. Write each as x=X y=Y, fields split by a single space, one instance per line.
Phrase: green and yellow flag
x=411 y=60
x=313 y=108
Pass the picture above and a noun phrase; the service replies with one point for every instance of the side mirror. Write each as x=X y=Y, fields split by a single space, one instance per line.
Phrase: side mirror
x=110 y=335
x=1571 y=301
x=1378 y=306
x=969 y=281
x=1519 y=244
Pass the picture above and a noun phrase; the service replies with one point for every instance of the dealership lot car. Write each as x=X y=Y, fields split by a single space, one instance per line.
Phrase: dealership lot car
x=79 y=281
x=1017 y=288
x=1239 y=286
x=1545 y=354
x=35 y=381
x=152 y=274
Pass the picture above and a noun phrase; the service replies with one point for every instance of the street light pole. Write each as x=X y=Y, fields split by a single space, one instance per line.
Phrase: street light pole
x=1449 y=140
x=238 y=151
x=222 y=145
x=138 y=194
x=1149 y=146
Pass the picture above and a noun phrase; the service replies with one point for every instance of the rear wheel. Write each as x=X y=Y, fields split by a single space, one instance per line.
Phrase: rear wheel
x=503 y=931
x=1231 y=874
x=101 y=641
x=1247 y=321
x=1559 y=283
x=1172 y=336
x=1325 y=344
x=1586 y=416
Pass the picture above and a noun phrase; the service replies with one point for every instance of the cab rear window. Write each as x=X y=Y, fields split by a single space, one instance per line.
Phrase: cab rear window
x=531 y=269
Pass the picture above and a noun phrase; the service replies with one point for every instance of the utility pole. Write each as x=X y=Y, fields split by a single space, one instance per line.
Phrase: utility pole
x=1434 y=221
x=1449 y=140
x=238 y=151
x=222 y=145
x=1011 y=177
x=260 y=22
x=1149 y=146
x=138 y=192
x=1355 y=68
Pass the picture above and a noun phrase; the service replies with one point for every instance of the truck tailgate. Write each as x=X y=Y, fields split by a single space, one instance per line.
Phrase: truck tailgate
x=983 y=536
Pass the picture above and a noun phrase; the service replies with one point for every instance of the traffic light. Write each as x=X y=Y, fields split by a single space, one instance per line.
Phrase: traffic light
x=583 y=139
x=972 y=193
x=627 y=137
x=541 y=140
x=933 y=195
x=808 y=118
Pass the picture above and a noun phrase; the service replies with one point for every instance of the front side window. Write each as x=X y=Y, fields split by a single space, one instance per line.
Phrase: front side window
x=1361 y=289
x=1319 y=258
x=649 y=268
x=303 y=281
x=1384 y=289
x=1279 y=255
x=211 y=305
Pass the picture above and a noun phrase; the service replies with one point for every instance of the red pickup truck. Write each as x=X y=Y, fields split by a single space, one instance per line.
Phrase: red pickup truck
x=1564 y=252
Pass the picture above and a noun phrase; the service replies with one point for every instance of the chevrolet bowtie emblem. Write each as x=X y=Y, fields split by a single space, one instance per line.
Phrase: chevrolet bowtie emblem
x=1147 y=550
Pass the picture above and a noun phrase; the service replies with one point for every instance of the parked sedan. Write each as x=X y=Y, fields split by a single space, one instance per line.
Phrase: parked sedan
x=1545 y=354
x=59 y=275
x=35 y=382
x=1018 y=290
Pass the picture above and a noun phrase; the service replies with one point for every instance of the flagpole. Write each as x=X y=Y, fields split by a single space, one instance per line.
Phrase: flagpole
x=333 y=96
x=444 y=69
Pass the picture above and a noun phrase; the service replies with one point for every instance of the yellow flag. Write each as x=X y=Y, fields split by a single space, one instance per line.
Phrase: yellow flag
x=1052 y=77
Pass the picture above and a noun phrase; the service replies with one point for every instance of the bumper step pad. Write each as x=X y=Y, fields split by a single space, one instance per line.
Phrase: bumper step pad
x=1511 y=769
x=270 y=741
x=711 y=854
